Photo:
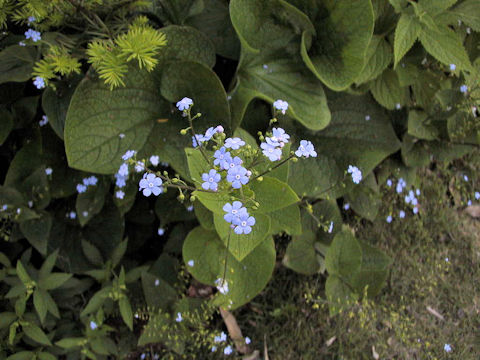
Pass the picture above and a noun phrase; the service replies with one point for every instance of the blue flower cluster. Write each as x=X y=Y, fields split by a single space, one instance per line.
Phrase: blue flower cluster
x=272 y=148
x=238 y=216
x=356 y=174
x=90 y=181
x=410 y=199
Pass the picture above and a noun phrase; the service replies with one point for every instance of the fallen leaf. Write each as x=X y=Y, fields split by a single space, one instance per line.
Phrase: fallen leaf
x=473 y=211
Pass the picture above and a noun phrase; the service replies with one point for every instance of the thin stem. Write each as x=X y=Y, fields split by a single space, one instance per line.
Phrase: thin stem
x=226 y=257
x=192 y=130
x=276 y=166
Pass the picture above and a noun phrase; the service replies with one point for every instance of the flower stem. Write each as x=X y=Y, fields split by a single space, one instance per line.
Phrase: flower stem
x=276 y=166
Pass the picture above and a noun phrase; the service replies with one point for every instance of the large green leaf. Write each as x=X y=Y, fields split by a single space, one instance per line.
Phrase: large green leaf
x=16 y=63
x=37 y=231
x=267 y=23
x=90 y=203
x=97 y=116
x=420 y=126
x=406 y=33
x=245 y=279
x=339 y=294
x=6 y=124
x=271 y=76
x=387 y=91
x=272 y=194
x=379 y=56
x=365 y=198
x=344 y=256
x=344 y=29
x=242 y=245
x=468 y=11
x=286 y=220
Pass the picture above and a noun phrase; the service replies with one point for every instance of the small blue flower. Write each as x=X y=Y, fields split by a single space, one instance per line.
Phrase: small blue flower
x=233 y=210
x=281 y=105
x=4 y=207
x=197 y=140
x=356 y=174
x=417 y=192
x=211 y=180
x=447 y=348
x=346 y=206
x=119 y=194
x=161 y=231
x=85 y=213
x=389 y=219
x=190 y=208
x=184 y=104
x=469 y=202
x=234 y=143
x=228 y=350
x=477 y=195
x=92 y=180
x=279 y=135
x=464 y=89
x=39 y=82
x=306 y=149
x=222 y=287
x=139 y=166
x=398 y=106
x=31 y=19
x=415 y=210
x=191 y=263
x=48 y=171
x=93 y=325
x=72 y=215
x=389 y=183
x=179 y=317
x=32 y=34
x=143 y=356
x=247 y=340
x=273 y=153
x=222 y=337
x=22 y=43
x=330 y=228
x=401 y=214
x=452 y=67
x=221 y=155
x=120 y=180
x=154 y=160
x=157 y=282
x=367 y=117
x=238 y=176
x=123 y=170
x=214 y=348
x=209 y=133
x=129 y=154
x=243 y=224
x=44 y=121
x=465 y=177
x=81 y=188
x=151 y=184
x=230 y=163
x=121 y=135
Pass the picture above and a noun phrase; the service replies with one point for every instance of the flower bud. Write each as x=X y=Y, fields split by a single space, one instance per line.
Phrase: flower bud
x=219 y=129
x=260 y=178
x=193 y=198
x=183 y=132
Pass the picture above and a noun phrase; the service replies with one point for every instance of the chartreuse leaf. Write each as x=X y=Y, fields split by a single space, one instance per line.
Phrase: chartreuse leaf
x=22 y=355
x=344 y=29
x=213 y=201
x=54 y=280
x=242 y=245
x=446 y=46
x=344 y=256
x=245 y=279
x=379 y=56
x=406 y=32
x=46 y=356
x=97 y=116
x=268 y=23
x=270 y=76
x=272 y=194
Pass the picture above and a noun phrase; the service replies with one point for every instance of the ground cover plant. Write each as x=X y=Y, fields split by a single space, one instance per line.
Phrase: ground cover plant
x=160 y=159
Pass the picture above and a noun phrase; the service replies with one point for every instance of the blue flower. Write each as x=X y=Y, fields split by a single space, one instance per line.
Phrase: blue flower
x=243 y=224
x=464 y=89
x=237 y=176
x=139 y=166
x=72 y=215
x=389 y=219
x=197 y=140
x=31 y=19
x=281 y=105
x=465 y=177
x=4 y=207
x=179 y=317
x=92 y=180
x=32 y=34
x=39 y=82
x=81 y=188
x=469 y=202
x=48 y=171
x=184 y=104
x=398 y=106
x=190 y=208
x=415 y=210
x=154 y=160
x=234 y=143
x=222 y=286
x=330 y=228
x=389 y=183
x=401 y=214
x=230 y=163
x=123 y=170
x=273 y=153
x=121 y=135
x=22 y=43
x=228 y=350
x=452 y=67
x=211 y=180
x=209 y=133
x=279 y=135
x=221 y=338
x=447 y=348
x=44 y=121
x=129 y=154
x=160 y=231
x=191 y=263
x=85 y=213
x=247 y=340
x=119 y=194
x=417 y=192
x=306 y=149
x=477 y=195
x=151 y=184
x=233 y=210
x=93 y=325
x=214 y=348
x=367 y=117
x=120 y=180
x=356 y=174
x=346 y=206
x=221 y=155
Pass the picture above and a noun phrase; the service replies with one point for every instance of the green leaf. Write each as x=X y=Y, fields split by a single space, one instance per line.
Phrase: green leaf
x=36 y=334
x=22 y=273
x=272 y=76
x=126 y=311
x=245 y=279
x=69 y=343
x=272 y=194
x=48 y=265
x=445 y=46
x=97 y=116
x=339 y=294
x=96 y=301
x=406 y=33
x=37 y=231
x=92 y=253
x=344 y=29
x=420 y=126
x=286 y=220
x=90 y=203
x=6 y=318
x=204 y=216
x=242 y=245
x=365 y=198
x=40 y=304
x=51 y=305
x=55 y=103
x=169 y=209
x=344 y=256
x=267 y=23
x=119 y=252
x=54 y=280
x=387 y=91
x=197 y=165
x=213 y=201
x=22 y=355
x=176 y=11
x=468 y=11
x=45 y=356
x=379 y=56
x=6 y=121
x=158 y=293
x=16 y=63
